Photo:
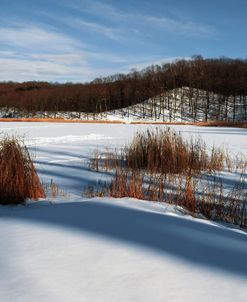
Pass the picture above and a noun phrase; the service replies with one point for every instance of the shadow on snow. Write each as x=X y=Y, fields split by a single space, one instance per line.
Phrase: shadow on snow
x=190 y=240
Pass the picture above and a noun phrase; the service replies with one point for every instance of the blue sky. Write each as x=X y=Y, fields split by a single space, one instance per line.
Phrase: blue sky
x=79 y=40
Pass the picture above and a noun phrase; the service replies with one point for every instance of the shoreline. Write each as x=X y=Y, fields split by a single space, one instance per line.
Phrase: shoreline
x=232 y=124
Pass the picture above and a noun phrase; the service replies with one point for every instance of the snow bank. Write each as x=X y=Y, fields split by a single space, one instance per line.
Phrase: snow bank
x=75 y=249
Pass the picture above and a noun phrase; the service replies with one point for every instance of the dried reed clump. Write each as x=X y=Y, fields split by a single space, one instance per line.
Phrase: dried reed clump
x=127 y=184
x=216 y=205
x=237 y=124
x=18 y=176
x=211 y=202
x=161 y=166
x=201 y=197
x=166 y=152
x=53 y=190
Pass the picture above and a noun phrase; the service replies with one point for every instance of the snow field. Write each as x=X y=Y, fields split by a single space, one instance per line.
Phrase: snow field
x=75 y=249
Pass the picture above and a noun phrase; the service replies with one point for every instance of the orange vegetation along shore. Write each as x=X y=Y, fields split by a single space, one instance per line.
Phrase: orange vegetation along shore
x=237 y=124
x=57 y=120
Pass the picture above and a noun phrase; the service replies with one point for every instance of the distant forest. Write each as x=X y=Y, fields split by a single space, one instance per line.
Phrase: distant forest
x=224 y=77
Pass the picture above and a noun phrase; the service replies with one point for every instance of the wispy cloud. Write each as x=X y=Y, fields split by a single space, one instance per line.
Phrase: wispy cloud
x=16 y=67
x=56 y=51
x=109 y=32
x=97 y=8
x=177 y=25
x=33 y=37
x=35 y=53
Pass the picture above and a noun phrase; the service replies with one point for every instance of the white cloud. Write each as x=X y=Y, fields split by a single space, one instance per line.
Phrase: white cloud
x=132 y=20
x=96 y=8
x=15 y=69
x=32 y=38
x=35 y=53
x=109 y=32
x=68 y=67
x=179 y=26
x=38 y=53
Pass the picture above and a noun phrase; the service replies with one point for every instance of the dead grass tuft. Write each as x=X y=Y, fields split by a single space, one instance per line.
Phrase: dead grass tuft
x=165 y=152
x=18 y=177
x=161 y=166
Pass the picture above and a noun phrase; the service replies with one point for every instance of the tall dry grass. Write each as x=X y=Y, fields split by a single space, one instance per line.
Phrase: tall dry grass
x=161 y=166
x=166 y=152
x=200 y=199
x=231 y=124
x=18 y=177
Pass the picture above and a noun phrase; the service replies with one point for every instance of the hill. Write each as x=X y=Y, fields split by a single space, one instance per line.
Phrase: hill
x=186 y=90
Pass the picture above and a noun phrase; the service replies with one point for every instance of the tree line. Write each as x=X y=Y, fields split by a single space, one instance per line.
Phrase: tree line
x=224 y=78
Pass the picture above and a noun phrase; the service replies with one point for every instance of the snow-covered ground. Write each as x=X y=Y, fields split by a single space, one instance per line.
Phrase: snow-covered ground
x=75 y=249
